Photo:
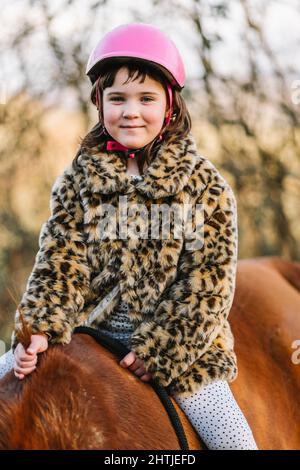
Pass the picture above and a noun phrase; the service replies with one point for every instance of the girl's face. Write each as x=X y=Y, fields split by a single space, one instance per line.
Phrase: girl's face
x=134 y=113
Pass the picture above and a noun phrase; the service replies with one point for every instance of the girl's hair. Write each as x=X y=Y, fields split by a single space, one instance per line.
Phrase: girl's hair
x=178 y=128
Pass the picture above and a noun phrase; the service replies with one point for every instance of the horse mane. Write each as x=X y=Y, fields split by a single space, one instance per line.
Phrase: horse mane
x=34 y=415
x=32 y=405
x=24 y=332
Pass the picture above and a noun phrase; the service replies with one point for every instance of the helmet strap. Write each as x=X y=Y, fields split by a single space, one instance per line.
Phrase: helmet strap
x=97 y=94
x=112 y=145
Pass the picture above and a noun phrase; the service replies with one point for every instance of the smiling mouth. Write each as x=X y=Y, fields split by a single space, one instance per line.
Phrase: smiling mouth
x=131 y=127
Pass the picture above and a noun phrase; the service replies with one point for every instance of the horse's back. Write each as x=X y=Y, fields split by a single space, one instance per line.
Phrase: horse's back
x=137 y=418
x=79 y=397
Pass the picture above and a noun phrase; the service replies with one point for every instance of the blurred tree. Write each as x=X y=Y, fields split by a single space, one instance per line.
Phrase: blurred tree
x=252 y=118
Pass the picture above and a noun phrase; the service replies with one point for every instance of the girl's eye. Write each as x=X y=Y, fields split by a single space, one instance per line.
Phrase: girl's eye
x=115 y=98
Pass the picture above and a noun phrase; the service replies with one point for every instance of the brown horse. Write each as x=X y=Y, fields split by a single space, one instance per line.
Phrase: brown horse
x=80 y=398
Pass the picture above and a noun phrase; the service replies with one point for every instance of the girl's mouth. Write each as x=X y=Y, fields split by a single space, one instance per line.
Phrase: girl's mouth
x=131 y=127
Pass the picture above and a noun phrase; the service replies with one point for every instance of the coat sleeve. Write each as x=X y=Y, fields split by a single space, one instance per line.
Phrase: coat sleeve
x=57 y=286
x=194 y=307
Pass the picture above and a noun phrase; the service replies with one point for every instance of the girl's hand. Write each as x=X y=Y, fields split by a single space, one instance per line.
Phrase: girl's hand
x=136 y=365
x=25 y=360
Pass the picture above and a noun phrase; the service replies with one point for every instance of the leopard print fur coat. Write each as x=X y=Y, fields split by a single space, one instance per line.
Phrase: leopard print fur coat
x=179 y=291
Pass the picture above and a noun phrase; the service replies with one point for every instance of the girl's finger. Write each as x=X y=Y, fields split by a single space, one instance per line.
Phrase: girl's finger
x=26 y=371
x=146 y=377
x=128 y=360
x=23 y=357
x=136 y=365
x=19 y=376
x=20 y=363
x=140 y=371
x=139 y=362
x=28 y=358
x=26 y=364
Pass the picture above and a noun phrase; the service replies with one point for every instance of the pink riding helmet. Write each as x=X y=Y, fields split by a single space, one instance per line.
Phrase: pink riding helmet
x=142 y=41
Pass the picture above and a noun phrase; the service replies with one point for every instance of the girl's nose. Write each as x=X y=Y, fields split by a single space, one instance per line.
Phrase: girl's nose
x=130 y=111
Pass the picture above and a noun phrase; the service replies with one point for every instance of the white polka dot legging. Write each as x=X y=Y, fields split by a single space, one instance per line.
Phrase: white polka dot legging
x=212 y=411
x=218 y=419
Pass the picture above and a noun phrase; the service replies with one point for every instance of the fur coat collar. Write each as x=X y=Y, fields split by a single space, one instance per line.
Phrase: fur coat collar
x=166 y=176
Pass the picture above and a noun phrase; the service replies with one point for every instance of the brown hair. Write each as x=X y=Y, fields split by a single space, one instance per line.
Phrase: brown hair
x=178 y=128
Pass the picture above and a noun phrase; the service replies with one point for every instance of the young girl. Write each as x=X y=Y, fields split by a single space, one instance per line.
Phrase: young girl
x=167 y=297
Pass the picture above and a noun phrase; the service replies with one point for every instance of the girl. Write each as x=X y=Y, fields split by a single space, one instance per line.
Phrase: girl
x=167 y=298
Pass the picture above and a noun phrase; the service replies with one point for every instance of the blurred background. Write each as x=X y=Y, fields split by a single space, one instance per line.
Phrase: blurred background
x=242 y=91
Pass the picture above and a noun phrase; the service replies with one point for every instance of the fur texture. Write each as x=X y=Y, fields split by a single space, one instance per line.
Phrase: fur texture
x=179 y=297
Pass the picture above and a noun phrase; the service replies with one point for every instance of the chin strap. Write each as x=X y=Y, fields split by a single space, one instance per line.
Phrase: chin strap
x=114 y=145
